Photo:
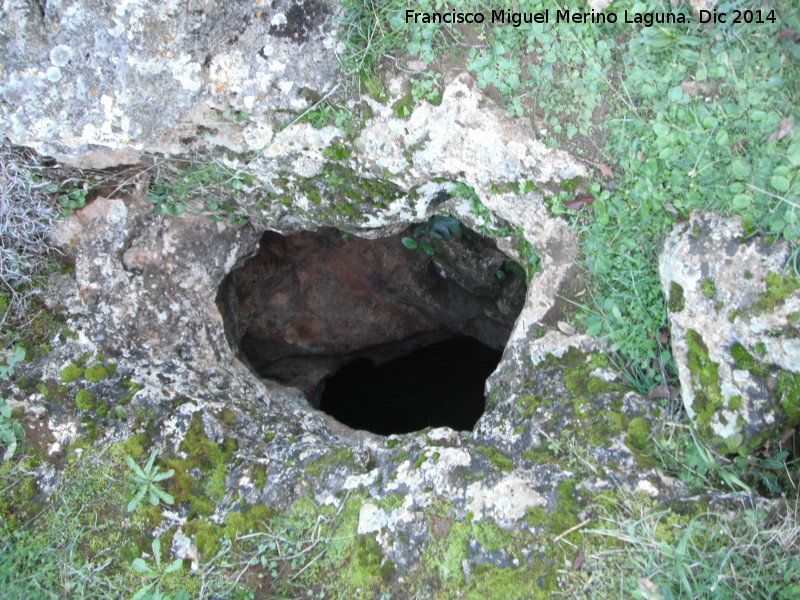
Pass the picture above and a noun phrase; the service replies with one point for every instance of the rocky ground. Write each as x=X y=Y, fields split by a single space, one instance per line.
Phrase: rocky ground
x=152 y=320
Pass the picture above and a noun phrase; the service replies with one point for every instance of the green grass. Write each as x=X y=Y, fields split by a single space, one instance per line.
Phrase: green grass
x=652 y=553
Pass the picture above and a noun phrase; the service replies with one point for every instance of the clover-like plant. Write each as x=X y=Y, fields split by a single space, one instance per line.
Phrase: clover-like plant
x=10 y=431
x=7 y=369
x=146 y=479
x=155 y=574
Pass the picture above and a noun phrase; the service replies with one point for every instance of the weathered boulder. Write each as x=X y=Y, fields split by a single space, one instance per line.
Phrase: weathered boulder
x=734 y=309
x=98 y=84
x=555 y=434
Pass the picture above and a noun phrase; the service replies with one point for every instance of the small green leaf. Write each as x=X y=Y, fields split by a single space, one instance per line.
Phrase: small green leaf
x=676 y=94
x=137 y=499
x=137 y=470
x=149 y=466
x=739 y=168
x=409 y=243
x=780 y=183
x=164 y=475
x=142 y=593
x=741 y=201
x=140 y=566
x=165 y=497
x=174 y=565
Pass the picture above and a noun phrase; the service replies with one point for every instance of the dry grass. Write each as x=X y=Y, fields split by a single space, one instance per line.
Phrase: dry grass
x=27 y=210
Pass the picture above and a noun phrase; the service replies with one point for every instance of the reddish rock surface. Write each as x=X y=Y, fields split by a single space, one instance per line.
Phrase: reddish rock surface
x=308 y=302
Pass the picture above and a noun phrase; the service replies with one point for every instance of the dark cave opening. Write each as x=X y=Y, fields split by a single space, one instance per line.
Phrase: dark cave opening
x=380 y=335
x=434 y=386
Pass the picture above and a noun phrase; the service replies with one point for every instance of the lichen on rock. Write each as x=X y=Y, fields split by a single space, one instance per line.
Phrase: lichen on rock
x=733 y=338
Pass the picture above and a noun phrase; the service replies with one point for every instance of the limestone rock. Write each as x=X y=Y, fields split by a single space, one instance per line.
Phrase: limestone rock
x=99 y=84
x=733 y=308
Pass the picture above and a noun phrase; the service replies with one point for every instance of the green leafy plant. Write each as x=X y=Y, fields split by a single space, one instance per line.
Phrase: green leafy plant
x=426 y=88
x=73 y=197
x=17 y=356
x=10 y=430
x=161 y=197
x=435 y=228
x=176 y=188
x=156 y=573
x=146 y=479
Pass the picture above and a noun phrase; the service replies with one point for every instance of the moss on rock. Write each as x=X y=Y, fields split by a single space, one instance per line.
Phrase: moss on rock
x=95 y=373
x=676 y=302
x=497 y=458
x=708 y=288
x=638 y=432
x=779 y=288
x=84 y=400
x=705 y=374
x=789 y=394
x=745 y=361
x=71 y=373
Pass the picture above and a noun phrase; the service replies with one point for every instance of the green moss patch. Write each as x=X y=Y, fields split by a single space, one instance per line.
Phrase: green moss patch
x=708 y=288
x=578 y=378
x=497 y=458
x=746 y=362
x=71 y=373
x=403 y=107
x=84 y=400
x=330 y=459
x=779 y=288
x=95 y=373
x=789 y=394
x=705 y=375
x=675 y=302
x=638 y=432
x=211 y=459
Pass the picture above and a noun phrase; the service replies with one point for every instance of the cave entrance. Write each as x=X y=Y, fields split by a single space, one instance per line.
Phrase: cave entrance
x=391 y=335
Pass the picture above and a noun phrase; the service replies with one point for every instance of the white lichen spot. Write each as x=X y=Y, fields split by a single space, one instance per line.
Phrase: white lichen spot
x=277 y=66
x=122 y=6
x=286 y=86
x=118 y=30
x=372 y=519
x=278 y=20
x=53 y=74
x=187 y=73
x=505 y=501
x=604 y=374
x=648 y=488
x=61 y=55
